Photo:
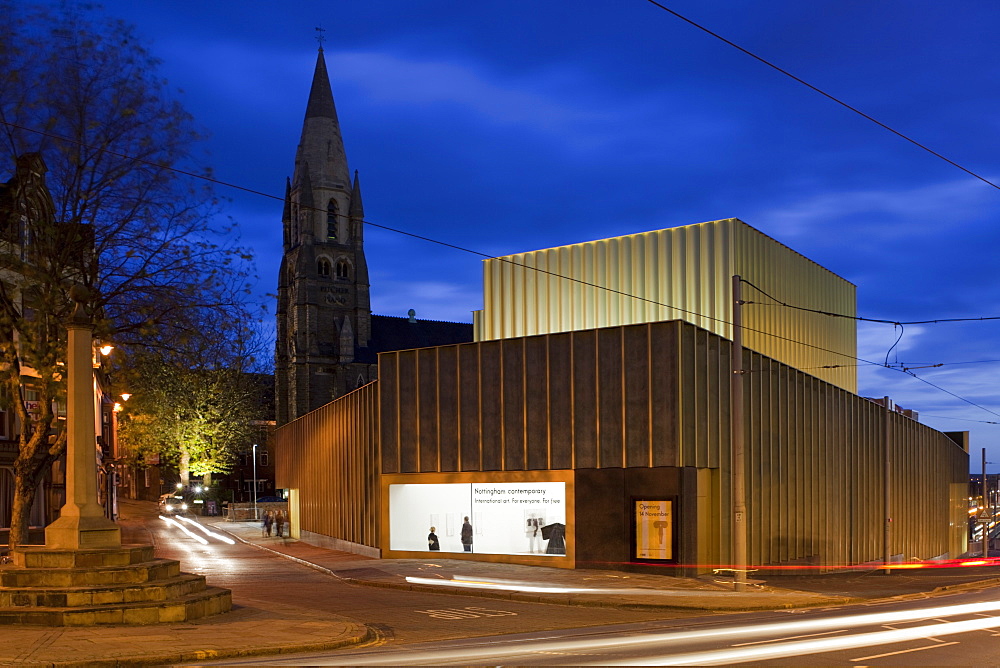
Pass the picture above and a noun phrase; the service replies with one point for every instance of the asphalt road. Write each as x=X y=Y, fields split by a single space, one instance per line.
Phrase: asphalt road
x=259 y=578
x=932 y=631
x=415 y=628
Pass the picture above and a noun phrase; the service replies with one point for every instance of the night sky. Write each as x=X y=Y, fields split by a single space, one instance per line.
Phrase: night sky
x=518 y=125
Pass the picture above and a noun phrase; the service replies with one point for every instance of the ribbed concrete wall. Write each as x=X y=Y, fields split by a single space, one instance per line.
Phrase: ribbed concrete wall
x=638 y=396
x=330 y=456
x=689 y=270
x=658 y=395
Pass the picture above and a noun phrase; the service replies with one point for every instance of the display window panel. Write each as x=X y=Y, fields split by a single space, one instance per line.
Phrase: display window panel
x=526 y=518
x=415 y=509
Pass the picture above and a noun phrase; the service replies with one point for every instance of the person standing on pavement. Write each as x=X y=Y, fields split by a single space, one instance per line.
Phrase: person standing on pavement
x=467 y=535
x=268 y=520
x=279 y=521
x=432 y=540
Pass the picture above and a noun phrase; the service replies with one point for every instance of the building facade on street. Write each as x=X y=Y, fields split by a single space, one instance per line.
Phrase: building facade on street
x=596 y=436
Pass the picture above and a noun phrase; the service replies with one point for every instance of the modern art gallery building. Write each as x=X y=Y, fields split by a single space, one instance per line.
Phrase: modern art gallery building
x=590 y=426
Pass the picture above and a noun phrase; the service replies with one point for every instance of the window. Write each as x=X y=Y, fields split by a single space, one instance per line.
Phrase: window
x=343 y=268
x=263 y=458
x=331 y=220
x=323 y=267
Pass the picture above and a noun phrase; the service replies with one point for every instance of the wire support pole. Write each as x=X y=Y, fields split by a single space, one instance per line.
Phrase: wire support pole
x=886 y=491
x=984 y=490
x=738 y=466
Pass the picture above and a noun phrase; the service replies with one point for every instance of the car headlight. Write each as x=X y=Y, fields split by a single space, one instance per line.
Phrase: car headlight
x=184 y=506
x=169 y=507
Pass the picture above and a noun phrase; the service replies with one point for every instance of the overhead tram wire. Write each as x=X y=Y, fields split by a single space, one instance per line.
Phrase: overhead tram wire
x=477 y=253
x=863 y=319
x=907 y=371
x=823 y=93
x=945 y=417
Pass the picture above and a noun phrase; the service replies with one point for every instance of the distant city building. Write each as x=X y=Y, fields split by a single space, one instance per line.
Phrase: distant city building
x=327 y=338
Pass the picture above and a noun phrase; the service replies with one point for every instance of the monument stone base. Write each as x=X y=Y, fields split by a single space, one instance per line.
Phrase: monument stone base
x=94 y=586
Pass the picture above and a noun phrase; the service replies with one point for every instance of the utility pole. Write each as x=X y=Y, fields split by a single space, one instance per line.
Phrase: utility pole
x=739 y=528
x=886 y=494
x=986 y=527
x=255 y=481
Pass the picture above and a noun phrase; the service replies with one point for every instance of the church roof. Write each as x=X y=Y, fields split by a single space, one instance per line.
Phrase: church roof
x=390 y=333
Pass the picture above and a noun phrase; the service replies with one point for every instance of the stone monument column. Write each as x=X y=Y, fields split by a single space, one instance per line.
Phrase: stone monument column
x=81 y=523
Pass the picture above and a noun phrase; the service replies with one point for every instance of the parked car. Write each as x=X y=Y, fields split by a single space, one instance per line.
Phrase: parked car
x=172 y=504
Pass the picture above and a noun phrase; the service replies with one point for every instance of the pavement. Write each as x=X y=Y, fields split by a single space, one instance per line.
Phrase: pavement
x=281 y=629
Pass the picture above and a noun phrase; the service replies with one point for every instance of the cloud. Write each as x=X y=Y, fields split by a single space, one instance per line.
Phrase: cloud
x=886 y=214
x=392 y=79
x=432 y=300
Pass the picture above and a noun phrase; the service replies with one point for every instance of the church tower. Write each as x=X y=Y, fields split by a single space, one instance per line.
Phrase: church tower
x=324 y=313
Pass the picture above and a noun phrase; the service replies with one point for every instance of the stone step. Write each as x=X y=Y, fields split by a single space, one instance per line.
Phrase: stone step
x=210 y=601
x=74 y=597
x=147 y=571
x=39 y=556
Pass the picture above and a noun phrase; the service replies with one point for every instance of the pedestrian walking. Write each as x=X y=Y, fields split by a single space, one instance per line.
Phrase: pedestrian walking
x=279 y=521
x=467 y=535
x=268 y=521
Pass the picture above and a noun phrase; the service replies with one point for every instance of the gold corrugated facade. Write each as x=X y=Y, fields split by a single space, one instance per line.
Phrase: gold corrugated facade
x=647 y=406
x=689 y=269
x=330 y=457
x=657 y=395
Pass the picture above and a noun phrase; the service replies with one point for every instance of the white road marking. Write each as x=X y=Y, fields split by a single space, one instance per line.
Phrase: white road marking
x=904 y=651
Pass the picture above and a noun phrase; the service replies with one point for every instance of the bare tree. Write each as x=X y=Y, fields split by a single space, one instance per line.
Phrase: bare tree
x=146 y=240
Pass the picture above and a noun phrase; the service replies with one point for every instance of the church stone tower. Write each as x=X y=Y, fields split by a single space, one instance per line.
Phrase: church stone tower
x=324 y=313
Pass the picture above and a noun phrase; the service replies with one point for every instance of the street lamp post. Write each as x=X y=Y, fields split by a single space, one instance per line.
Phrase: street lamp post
x=255 y=481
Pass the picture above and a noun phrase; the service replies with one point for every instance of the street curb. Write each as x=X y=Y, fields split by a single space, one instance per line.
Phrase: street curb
x=307 y=564
x=966 y=585
x=209 y=655
x=552 y=599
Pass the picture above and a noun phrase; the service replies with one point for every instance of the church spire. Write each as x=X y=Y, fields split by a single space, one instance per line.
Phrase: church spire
x=321 y=145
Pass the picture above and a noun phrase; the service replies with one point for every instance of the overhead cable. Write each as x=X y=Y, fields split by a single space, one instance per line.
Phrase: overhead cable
x=823 y=93
x=486 y=256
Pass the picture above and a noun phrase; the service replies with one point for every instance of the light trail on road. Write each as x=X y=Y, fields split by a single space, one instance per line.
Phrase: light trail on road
x=803 y=647
x=463 y=581
x=588 y=651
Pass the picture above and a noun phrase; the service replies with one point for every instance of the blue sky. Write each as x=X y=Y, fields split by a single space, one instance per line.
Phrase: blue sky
x=518 y=125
